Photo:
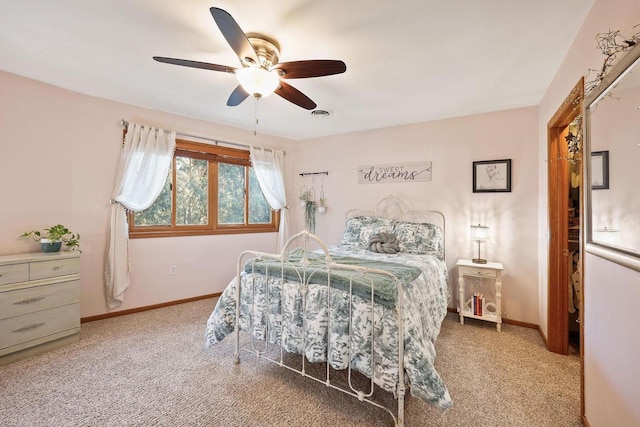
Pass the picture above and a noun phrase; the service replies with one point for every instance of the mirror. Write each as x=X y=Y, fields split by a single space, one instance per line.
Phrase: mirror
x=612 y=164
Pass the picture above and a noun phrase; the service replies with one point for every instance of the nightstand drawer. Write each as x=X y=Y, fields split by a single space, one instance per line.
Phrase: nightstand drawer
x=54 y=268
x=14 y=273
x=36 y=298
x=477 y=272
x=22 y=329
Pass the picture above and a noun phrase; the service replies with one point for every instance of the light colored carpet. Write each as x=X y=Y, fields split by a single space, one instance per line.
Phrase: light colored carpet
x=150 y=369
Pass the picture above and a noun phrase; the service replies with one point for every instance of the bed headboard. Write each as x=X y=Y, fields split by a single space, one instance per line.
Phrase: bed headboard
x=393 y=207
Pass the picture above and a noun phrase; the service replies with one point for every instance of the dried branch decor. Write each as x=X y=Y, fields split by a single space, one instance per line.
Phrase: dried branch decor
x=613 y=46
x=574 y=140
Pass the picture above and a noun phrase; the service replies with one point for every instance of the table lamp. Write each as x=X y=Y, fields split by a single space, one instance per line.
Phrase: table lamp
x=479 y=234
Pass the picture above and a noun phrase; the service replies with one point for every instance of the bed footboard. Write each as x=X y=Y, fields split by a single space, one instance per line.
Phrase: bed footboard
x=293 y=301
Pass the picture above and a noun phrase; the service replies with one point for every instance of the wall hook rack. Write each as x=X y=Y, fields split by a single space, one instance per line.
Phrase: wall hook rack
x=314 y=173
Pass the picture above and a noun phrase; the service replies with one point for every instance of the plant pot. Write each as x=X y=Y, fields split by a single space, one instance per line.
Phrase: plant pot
x=322 y=209
x=49 y=246
x=303 y=203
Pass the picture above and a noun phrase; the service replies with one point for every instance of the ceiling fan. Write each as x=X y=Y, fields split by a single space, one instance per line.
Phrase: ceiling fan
x=261 y=74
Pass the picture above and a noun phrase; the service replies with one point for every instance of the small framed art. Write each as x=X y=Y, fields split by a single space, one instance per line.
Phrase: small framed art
x=599 y=170
x=492 y=176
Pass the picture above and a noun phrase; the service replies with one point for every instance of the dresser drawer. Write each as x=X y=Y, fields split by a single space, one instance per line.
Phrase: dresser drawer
x=53 y=268
x=22 y=329
x=14 y=273
x=477 y=272
x=36 y=298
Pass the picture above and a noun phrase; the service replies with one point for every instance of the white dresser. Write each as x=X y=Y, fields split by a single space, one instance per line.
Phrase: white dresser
x=39 y=303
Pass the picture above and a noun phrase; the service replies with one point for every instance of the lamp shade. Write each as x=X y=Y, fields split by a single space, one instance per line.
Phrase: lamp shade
x=479 y=233
x=258 y=81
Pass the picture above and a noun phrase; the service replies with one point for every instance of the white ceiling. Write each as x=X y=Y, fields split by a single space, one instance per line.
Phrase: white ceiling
x=407 y=61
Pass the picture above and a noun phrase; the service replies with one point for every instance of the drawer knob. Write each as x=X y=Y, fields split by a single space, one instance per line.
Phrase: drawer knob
x=29 y=327
x=56 y=268
x=28 y=300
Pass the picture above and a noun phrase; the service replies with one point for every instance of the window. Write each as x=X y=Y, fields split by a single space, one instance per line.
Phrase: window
x=209 y=190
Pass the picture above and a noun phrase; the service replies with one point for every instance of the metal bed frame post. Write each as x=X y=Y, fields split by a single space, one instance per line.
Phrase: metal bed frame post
x=236 y=354
x=401 y=387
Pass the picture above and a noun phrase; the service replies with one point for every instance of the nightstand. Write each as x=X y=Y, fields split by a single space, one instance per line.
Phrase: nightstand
x=490 y=311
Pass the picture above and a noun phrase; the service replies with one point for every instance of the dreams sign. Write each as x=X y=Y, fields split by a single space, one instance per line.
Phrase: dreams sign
x=399 y=172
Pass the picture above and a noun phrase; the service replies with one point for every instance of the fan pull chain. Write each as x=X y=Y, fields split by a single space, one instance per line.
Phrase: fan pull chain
x=255 y=115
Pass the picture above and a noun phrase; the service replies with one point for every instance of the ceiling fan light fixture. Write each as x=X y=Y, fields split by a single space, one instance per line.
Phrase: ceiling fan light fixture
x=258 y=54
x=257 y=81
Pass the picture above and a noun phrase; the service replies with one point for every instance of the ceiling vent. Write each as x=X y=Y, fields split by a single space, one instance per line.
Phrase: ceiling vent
x=320 y=113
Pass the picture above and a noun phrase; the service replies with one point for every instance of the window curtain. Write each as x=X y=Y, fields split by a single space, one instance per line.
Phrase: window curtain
x=269 y=169
x=141 y=175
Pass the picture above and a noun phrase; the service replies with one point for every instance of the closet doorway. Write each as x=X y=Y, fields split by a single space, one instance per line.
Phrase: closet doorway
x=565 y=202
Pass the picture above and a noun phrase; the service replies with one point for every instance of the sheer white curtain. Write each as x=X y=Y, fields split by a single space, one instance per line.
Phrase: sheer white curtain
x=144 y=165
x=269 y=169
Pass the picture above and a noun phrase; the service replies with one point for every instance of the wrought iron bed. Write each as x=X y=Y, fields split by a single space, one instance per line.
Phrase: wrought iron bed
x=302 y=301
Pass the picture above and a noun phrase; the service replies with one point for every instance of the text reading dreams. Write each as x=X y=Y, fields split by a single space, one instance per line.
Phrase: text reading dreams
x=404 y=172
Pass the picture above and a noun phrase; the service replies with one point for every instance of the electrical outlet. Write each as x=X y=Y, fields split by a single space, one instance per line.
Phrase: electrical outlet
x=172 y=270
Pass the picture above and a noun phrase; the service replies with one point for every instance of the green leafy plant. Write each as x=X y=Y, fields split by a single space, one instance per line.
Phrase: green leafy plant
x=310 y=216
x=56 y=233
x=322 y=204
x=304 y=198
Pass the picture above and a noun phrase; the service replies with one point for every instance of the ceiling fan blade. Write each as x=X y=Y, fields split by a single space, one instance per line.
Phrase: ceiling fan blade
x=311 y=68
x=195 y=64
x=237 y=96
x=234 y=35
x=294 y=96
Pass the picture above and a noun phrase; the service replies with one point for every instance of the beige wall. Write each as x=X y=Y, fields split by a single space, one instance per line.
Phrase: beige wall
x=41 y=122
x=451 y=145
x=59 y=152
x=611 y=292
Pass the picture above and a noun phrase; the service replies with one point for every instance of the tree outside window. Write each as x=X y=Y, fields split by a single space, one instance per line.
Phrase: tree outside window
x=216 y=191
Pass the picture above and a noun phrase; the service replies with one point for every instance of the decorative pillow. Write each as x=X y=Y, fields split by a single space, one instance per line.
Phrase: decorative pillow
x=417 y=238
x=384 y=243
x=358 y=230
x=351 y=235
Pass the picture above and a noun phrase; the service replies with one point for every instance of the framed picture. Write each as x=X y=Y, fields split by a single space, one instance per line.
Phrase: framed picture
x=492 y=176
x=599 y=170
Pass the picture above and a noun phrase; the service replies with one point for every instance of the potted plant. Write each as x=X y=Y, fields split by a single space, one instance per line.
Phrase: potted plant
x=304 y=198
x=322 y=205
x=53 y=238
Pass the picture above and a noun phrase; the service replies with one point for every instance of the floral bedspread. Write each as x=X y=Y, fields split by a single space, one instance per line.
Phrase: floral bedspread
x=280 y=318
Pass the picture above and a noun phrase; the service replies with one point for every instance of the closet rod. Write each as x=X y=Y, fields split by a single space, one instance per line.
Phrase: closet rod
x=314 y=173
x=125 y=123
